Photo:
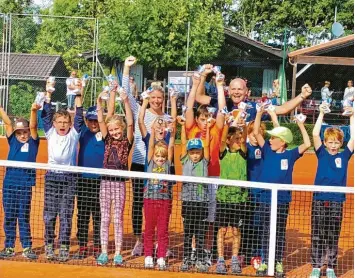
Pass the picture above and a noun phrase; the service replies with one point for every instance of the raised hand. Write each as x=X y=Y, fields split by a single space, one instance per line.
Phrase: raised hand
x=35 y=107
x=123 y=94
x=180 y=120
x=306 y=90
x=208 y=68
x=130 y=61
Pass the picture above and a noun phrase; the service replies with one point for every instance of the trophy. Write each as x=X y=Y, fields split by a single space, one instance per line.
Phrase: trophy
x=325 y=106
x=146 y=93
x=346 y=104
x=105 y=93
x=216 y=69
x=40 y=98
x=200 y=69
x=84 y=79
x=171 y=90
x=50 y=84
x=300 y=117
x=184 y=108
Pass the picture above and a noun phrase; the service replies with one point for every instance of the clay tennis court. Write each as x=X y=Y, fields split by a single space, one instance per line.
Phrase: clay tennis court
x=297 y=254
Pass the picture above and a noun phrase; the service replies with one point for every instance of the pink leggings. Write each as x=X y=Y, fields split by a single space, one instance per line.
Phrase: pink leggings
x=112 y=191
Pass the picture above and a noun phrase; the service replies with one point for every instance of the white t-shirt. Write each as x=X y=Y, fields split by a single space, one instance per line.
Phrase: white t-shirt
x=349 y=92
x=62 y=149
x=70 y=81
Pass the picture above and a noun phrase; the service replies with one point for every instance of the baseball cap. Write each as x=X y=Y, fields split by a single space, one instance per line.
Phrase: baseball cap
x=91 y=113
x=281 y=132
x=21 y=124
x=195 y=143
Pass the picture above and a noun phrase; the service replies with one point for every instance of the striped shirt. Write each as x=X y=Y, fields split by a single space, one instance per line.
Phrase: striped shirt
x=139 y=151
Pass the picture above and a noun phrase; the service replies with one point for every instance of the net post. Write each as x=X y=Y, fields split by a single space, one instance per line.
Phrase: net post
x=272 y=238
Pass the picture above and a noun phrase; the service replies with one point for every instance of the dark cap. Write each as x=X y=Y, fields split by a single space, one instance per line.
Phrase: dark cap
x=91 y=114
x=21 y=124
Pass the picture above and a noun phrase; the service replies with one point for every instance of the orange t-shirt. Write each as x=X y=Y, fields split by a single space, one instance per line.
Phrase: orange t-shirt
x=215 y=141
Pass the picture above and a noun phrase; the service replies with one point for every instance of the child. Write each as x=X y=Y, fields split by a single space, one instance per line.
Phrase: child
x=157 y=200
x=91 y=154
x=194 y=159
x=327 y=208
x=231 y=200
x=59 y=190
x=278 y=163
x=17 y=187
x=118 y=138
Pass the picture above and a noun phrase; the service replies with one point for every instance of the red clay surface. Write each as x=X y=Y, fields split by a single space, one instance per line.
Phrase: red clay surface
x=297 y=254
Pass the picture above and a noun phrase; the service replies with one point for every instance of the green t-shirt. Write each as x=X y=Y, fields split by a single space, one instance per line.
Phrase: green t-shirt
x=233 y=167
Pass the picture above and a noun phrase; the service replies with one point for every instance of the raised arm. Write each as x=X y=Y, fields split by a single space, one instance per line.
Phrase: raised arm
x=7 y=122
x=221 y=103
x=79 y=114
x=273 y=117
x=189 y=115
x=141 y=116
x=183 y=136
x=306 y=141
x=47 y=113
x=201 y=96
x=224 y=139
x=293 y=103
x=351 y=140
x=244 y=137
x=171 y=146
x=129 y=62
x=100 y=117
x=173 y=103
x=129 y=117
x=151 y=145
x=33 y=120
x=206 y=147
x=112 y=101
x=257 y=134
x=316 y=129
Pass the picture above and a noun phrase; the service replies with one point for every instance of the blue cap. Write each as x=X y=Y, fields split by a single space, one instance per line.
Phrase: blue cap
x=91 y=114
x=195 y=143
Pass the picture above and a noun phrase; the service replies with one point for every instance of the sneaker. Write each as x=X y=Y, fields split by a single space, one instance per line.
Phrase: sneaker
x=236 y=266
x=118 y=260
x=102 y=259
x=28 y=253
x=7 y=253
x=208 y=257
x=186 y=264
x=315 y=273
x=81 y=254
x=161 y=264
x=137 y=249
x=262 y=270
x=221 y=266
x=63 y=253
x=331 y=273
x=201 y=266
x=279 y=269
x=50 y=255
x=148 y=262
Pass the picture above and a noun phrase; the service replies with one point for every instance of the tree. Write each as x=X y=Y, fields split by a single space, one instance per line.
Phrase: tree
x=156 y=31
x=11 y=6
x=22 y=96
x=308 y=21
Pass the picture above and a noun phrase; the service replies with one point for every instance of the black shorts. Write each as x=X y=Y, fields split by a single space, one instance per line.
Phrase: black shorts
x=229 y=214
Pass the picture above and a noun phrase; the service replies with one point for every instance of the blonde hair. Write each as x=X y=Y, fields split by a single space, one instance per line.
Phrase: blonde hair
x=250 y=128
x=116 y=120
x=334 y=133
x=161 y=148
x=61 y=113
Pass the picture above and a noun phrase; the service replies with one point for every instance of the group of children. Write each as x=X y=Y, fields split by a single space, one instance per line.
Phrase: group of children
x=213 y=144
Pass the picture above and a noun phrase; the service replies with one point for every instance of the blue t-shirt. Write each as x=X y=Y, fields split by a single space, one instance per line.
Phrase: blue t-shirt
x=146 y=143
x=277 y=168
x=26 y=152
x=91 y=152
x=331 y=171
x=254 y=159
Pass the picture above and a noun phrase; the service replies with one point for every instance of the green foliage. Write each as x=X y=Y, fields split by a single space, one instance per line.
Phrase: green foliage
x=21 y=99
x=24 y=34
x=12 y=6
x=156 y=31
x=307 y=20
